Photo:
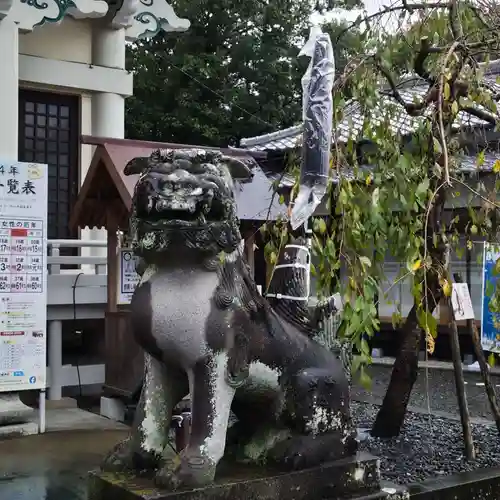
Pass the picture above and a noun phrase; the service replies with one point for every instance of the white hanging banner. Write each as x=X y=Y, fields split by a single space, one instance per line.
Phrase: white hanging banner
x=127 y=276
x=23 y=276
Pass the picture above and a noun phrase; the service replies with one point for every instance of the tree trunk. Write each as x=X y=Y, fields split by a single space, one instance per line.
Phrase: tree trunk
x=391 y=415
x=404 y=374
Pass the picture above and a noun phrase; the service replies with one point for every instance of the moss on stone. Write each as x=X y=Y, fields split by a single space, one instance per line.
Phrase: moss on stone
x=257 y=448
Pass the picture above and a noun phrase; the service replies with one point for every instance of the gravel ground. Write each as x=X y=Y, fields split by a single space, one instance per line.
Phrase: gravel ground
x=428 y=446
x=440 y=386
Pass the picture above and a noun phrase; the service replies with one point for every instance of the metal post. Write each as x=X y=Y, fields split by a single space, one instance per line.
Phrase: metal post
x=55 y=360
x=41 y=412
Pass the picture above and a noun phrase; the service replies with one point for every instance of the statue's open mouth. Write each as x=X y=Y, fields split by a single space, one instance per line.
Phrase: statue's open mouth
x=186 y=201
x=192 y=208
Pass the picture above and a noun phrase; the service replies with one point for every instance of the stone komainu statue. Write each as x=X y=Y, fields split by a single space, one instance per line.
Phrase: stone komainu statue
x=208 y=332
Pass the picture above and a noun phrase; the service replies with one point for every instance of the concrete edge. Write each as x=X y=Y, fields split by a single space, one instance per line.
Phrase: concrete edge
x=18 y=430
x=434 y=365
x=479 y=484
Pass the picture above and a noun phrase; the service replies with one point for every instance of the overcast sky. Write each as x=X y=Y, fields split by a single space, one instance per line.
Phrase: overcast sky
x=371 y=7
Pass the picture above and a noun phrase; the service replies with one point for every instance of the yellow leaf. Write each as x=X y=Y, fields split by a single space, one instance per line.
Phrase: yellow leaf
x=430 y=342
x=417 y=265
x=454 y=107
x=473 y=229
x=496 y=167
x=447 y=91
x=491 y=359
x=272 y=258
x=447 y=288
x=368 y=180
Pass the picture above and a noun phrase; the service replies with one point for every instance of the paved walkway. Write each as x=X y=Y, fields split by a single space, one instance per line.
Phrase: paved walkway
x=53 y=466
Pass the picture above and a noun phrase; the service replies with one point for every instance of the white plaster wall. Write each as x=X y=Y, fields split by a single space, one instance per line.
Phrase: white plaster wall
x=70 y=40
x=86 y=129
x=85 y=158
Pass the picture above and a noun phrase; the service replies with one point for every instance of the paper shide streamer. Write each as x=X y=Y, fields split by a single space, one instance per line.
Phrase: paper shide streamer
x=317 y=111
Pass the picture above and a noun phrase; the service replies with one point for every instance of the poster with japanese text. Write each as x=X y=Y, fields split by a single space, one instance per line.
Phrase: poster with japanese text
x=127 y=276
x=490 y=320
x=23 y=276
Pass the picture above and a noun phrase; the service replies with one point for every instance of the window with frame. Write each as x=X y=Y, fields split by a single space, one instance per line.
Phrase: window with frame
x=48 y=133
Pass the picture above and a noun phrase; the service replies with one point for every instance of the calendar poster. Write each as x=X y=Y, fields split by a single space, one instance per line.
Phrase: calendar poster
x=23 y=276
x=127 y=276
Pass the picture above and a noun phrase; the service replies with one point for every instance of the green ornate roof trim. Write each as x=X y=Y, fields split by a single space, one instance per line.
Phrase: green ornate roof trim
x=63 y=6
x=30 y=14
x=146 y=18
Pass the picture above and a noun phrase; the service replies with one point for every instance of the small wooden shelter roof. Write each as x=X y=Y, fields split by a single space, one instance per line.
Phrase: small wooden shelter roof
x=106 y=193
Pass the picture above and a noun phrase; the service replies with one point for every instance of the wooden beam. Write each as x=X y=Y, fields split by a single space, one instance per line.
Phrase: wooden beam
x=250 y=255
x=112 y=227
x=100 y=141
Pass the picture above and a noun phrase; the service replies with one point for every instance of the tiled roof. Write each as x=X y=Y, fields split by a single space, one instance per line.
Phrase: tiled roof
x=411 y=88
x=254 y=198
x=467 y=165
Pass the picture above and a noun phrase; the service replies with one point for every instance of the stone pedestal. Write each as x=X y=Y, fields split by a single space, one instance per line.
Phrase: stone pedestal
x=357 y=477
x=13 y=410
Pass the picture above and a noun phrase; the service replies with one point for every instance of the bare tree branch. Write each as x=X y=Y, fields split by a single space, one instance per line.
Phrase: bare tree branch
x=412 y=108
x=481 y=114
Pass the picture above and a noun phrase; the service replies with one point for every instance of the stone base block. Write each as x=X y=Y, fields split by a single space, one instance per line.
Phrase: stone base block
x=348 y=478
x=18 y=430
x=13 y=411
x=481 y=484
x=61 y=404
x=112 y=408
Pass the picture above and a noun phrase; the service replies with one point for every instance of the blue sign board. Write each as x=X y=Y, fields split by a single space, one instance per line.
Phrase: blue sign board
x=490 y=321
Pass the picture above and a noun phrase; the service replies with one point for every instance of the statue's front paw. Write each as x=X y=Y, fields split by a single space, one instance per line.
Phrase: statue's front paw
x=290 y=454
x=168 y=480
x=193 y=472
x=120 y=458
x=125 y=458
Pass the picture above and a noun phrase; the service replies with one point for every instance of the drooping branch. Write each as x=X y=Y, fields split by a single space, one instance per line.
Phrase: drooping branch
x=409 y=7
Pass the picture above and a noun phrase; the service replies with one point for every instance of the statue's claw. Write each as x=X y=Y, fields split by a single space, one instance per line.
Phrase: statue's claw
x=193 y=472
x=124 y=458
x=167 y=479
x=120 y=458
